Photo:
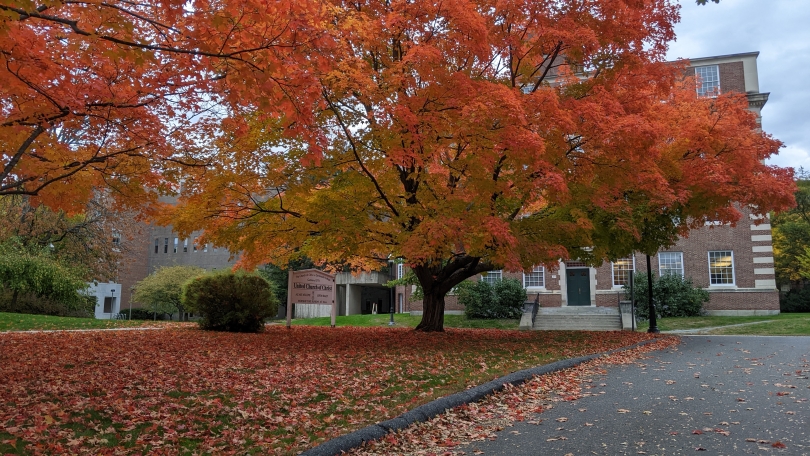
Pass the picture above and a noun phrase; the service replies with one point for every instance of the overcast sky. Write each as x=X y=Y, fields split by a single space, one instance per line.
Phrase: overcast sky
x=780 y=31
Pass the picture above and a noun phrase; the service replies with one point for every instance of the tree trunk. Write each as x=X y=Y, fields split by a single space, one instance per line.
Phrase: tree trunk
x=16 y=295
x=437 y=278
x=432 y=313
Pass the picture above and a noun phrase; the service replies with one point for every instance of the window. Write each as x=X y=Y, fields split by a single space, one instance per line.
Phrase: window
x=157 y=244
x=166 y=245
x=116 y=239
x=622 y=269
x=185 y=245
x=708 y=84
x=492 y=276
x=109 y=304
x=721 y=267
x=205 y=247
x=195 y=247
x=535 y=278
x=175 y=245
x=670 y=263
x=400 y=270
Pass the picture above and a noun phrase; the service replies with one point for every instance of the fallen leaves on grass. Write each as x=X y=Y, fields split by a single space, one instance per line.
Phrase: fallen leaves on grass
x=183 y=390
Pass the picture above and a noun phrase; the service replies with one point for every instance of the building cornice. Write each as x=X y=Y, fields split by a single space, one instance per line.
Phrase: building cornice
x=757 y=99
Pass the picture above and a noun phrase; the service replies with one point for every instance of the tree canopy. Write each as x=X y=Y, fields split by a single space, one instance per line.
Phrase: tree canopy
x=469 y=136
x=162 y=291
x=460 y=135
x=791 y=237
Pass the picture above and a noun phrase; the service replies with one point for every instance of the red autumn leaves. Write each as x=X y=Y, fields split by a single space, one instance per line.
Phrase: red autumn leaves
x=167 y=391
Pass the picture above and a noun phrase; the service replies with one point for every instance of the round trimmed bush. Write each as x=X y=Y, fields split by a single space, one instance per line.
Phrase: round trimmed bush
x=236 y=302
x=503 y=299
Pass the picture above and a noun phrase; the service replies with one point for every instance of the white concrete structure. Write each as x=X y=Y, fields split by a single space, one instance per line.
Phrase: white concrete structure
x=108 y=299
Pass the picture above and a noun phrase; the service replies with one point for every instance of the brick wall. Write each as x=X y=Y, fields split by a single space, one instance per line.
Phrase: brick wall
x=732 y=77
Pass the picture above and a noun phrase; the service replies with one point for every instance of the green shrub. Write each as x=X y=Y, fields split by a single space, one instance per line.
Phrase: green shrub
x=503 y=299
x=32 y=304
x=795 y=301
x=673 y=296
x=237 y=302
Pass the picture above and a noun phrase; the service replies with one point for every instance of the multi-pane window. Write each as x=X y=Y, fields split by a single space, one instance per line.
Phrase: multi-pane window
x=157 y=244
x=492 y=276
x=622 y=270
x=670 y=263
x=175 y=245
x=400 y=270
x=165 y=245
x=535 y=278
x=116 y=239
x=185 y=245
x=721 y=267
x=708 y=80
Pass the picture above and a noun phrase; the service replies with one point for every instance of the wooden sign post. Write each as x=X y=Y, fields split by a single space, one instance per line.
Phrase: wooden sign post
x=312 y=287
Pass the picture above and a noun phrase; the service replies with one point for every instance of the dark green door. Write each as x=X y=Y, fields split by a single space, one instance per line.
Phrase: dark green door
x=579 y=287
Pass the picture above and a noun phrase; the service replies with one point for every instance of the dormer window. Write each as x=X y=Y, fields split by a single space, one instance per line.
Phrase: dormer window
x=708 y=80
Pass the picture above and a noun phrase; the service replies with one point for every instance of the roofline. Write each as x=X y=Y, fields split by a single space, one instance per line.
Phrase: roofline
x=716 y=57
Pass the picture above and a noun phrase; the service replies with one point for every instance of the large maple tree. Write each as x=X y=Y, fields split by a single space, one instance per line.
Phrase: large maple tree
x=465 y=136
x=115 y=94
x=460 y=135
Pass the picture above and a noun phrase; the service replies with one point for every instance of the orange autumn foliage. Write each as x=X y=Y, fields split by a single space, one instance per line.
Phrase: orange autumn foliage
x=460 y=135
x=465 y=136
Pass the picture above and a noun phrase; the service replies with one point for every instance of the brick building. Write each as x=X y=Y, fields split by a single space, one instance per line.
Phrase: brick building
x=733 y=263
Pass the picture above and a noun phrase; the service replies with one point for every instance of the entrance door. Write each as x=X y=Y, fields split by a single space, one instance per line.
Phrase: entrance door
x=579 y=287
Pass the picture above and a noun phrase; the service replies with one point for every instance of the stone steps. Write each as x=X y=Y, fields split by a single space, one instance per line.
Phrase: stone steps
x=580 y=322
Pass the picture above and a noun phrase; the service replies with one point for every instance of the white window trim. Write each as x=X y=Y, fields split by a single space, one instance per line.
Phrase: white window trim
x=660 y=270
x=535 y=287
x=613 y=275
x=400 y=270
x=484 y=276
x=699 y=87
x=733 y=283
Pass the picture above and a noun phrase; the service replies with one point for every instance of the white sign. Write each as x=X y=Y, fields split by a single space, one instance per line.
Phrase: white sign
x=311 y=286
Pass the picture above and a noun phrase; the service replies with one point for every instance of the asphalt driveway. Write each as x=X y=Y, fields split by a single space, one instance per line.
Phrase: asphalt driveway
x=725 y=395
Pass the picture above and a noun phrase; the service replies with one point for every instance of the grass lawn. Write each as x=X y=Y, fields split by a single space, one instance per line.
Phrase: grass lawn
x=788 y=324
x=407 y=321
x=187 y=391
x=25 y=322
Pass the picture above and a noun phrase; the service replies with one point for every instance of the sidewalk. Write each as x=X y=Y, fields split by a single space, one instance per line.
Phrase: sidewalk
x=727 y=395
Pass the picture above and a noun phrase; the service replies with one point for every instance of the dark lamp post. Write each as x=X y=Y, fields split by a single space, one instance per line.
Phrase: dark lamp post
x=653 y=322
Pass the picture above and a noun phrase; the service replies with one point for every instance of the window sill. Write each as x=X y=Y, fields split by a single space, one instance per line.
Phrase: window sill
x=534 y=289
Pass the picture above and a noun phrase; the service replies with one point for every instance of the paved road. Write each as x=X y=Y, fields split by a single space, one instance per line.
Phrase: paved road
x=712 y=393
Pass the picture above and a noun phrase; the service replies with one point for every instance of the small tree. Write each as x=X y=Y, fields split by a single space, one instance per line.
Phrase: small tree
x=39 y=274
x=238 y=302
x=673 y=296
x=161 y=292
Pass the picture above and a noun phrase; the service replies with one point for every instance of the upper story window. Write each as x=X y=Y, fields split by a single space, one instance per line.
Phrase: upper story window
x=492 y=276
x=400 y=270
x=175 y=245
x=708 y=77
x=185 y=245
x=622 y=269
x=721 y=267
x=670 y=263
x=165 y=245
x=157 y=244
x=535 y=278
